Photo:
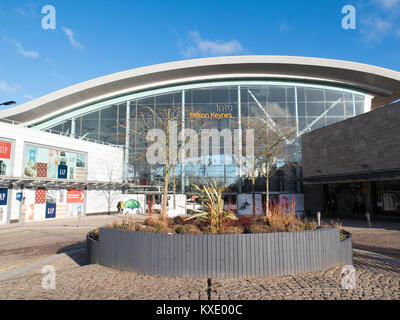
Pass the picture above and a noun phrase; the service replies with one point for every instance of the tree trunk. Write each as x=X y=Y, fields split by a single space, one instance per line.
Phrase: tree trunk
x=174 y=186
x=253 y=191
x=267 y=195
x=109 y=202
x=165 y=196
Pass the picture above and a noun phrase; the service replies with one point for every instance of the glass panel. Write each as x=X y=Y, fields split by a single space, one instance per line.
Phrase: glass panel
x=90 y=126
x=217 y=108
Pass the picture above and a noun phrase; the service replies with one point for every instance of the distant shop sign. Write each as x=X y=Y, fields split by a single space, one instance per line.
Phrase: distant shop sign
x=5 y=150
x=3 y=197
x=75 y=196
x=62 y=172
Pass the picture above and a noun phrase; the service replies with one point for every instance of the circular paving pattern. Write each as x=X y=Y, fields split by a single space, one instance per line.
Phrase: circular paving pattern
x=375 y=279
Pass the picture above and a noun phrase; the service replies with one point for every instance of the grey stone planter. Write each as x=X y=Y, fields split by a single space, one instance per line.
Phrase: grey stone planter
x=92 y=250
x=220 y=256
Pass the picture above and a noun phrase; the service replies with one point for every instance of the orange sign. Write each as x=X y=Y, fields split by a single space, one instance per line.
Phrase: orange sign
x=5 y=150
x=75 y=196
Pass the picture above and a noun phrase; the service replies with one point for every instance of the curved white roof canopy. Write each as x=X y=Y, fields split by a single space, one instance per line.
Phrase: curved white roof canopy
x=383 y=84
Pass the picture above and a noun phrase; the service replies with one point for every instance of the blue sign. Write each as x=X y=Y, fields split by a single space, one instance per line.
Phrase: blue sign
x=62 y=171
x=3 y=197
x=19 y=195
x=50 y=210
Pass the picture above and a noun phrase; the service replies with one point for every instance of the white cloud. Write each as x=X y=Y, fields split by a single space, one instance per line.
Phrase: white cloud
x=70 y=35
x=379 y=20
x=29 y=97
x=375 y=29
x=21 y=11
x=20 y=49
x=200 y=46
x=4 y=86
x=28 y=10
x=387 y=4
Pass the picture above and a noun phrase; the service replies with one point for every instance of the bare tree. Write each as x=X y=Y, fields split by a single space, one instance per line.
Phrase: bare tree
x=273 y=133
x=165 y=119
x=109 y=171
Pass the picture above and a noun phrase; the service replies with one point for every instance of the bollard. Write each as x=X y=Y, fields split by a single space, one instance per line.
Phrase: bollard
x=23 y=220
x=319 y=218
x=368 y=219
x=79 y=219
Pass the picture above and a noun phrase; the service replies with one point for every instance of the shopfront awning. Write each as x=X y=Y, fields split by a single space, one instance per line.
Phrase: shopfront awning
x=9 y=182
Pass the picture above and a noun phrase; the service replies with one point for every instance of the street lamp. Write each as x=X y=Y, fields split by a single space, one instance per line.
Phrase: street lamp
x=7 y=103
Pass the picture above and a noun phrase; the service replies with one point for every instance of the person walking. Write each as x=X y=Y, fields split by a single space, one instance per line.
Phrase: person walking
x=119 y=207
x=122 y=207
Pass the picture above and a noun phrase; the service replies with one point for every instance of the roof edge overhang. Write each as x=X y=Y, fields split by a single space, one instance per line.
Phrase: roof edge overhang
x=383 y=84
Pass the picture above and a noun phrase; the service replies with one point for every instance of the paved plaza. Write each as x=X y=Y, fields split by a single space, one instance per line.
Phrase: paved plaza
x=24 y=251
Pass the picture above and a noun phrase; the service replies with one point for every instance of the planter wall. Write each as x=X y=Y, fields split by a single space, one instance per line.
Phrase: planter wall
x=92 y=250
x=218 y=256
x=346 y=251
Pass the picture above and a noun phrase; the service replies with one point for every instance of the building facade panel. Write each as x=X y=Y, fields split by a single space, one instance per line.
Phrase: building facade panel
x=102 y=163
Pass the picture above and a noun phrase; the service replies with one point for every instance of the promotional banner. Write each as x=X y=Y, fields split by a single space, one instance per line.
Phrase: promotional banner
x=50 y=210
x=180 y=205
x=75 y=196
x=258 y=199
x=75 y=209
x=30 y=161
x=62 y=171
x=290 y=199
x=3 y=197
x=5 y=150
x=5 y=158
x=245 y=204
x=3 y=205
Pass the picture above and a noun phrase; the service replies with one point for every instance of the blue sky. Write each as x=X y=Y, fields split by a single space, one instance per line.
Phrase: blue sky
x=98 y=37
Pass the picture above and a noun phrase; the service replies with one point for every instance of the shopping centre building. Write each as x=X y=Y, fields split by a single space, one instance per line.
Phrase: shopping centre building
x=305 y=93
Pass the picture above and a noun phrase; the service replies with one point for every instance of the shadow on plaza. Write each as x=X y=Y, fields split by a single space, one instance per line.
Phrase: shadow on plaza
x=362 y=223
x=73 y=251
x=389 y=252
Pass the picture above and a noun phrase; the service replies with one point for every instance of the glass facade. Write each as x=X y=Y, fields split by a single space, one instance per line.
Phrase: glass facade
x=224 y=105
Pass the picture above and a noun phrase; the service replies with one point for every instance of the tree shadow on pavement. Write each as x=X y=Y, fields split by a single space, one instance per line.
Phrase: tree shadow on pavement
x=76 y=251
x=390 y=252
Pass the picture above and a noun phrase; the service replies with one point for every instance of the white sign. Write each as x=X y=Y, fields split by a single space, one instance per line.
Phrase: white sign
x=296 y=199
x=245 y=204
x=180 y=205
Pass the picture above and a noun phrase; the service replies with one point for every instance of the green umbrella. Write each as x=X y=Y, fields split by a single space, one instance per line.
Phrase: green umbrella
x=132 y=204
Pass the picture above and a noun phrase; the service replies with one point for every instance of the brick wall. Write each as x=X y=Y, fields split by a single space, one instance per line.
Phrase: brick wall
x=372 y=138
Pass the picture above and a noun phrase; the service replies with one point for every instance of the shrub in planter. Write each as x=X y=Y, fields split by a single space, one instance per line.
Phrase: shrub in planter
x=276 y=225
x=245 y=221
x=148 y=229
x=156 y=223
x=259 y=228
x=233 y=230
x=310 y=225
x=296 y=225
x=213 y=203
x=187 y=229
